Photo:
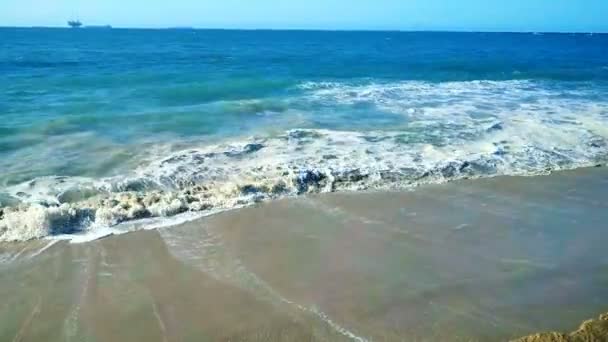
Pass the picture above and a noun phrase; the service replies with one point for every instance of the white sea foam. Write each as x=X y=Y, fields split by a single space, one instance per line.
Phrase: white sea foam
x=451 y=131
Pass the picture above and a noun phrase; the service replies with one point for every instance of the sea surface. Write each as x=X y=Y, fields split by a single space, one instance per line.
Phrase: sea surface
x=110 y=130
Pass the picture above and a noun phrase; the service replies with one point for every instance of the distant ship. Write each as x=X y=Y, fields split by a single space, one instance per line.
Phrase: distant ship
x=75 y=23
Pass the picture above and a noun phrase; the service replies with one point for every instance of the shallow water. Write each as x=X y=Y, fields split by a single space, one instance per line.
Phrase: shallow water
x=481 y=260
x=261 y=115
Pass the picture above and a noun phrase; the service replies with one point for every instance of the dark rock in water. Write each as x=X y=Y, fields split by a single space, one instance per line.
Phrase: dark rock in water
x=310 y=179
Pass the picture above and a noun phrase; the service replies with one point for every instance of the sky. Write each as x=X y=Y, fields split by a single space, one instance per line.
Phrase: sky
x=459 y=15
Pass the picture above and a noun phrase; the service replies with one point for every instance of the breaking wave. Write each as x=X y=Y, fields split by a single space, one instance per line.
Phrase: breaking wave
x=522 y=130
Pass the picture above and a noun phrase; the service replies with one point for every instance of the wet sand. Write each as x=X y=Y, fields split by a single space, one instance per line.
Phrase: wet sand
x=477 y=260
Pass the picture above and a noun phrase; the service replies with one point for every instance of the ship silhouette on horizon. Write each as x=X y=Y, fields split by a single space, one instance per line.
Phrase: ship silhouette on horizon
x=74 y=23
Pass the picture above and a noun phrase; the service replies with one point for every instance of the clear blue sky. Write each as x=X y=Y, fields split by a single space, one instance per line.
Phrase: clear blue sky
x=483 y=15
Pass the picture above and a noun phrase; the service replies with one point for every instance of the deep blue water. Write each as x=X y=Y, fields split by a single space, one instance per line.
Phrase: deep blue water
x=96 y=103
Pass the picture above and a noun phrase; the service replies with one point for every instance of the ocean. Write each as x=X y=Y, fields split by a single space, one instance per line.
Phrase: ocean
x=107 y=131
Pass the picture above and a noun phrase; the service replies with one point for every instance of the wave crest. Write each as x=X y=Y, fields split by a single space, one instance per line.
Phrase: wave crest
x=451 y=131
x=298 y=162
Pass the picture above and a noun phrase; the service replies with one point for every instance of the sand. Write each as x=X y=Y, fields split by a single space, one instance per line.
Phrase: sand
x=477 y=260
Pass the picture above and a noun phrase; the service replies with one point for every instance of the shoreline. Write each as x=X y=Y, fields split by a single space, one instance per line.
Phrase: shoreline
x=479 y=260
x=124 y=212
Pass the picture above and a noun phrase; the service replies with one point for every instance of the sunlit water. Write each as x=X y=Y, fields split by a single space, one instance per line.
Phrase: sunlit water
x=101 y=127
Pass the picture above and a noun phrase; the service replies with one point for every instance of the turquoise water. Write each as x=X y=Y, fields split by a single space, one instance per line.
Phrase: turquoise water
x=233 y=117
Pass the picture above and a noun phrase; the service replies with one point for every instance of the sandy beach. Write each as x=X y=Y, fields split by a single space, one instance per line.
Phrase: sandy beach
x=483 y=260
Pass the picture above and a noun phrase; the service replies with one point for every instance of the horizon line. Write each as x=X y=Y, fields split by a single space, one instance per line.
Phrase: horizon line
x=195 y=28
